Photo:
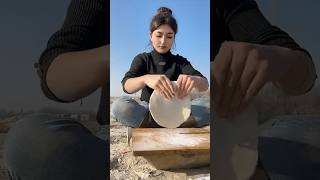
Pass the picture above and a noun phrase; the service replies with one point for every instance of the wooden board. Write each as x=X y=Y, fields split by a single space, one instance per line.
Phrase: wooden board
x=152 y=141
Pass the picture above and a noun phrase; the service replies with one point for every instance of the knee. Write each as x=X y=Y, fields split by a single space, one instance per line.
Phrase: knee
x=123 y=105
x=303 y=129
x=20 y=140
x=202 y=101
x=128 y=111
x=200 y=112
x=25 y=128
x=34 y=139
x=44 y=147
x=201 y=115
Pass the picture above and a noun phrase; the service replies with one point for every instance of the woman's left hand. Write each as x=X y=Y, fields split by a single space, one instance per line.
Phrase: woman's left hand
x=185 y=83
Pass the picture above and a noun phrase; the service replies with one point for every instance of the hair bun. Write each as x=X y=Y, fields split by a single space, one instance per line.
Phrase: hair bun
x=164 y=10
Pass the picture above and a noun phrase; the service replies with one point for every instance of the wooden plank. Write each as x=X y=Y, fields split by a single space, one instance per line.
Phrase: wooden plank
x=151 y=141
x=178 y=160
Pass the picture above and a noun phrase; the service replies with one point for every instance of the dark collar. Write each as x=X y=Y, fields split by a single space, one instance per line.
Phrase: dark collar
x=161 y=57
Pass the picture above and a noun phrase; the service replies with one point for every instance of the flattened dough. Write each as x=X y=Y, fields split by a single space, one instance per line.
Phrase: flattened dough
x=235 y=146
x=169 y=114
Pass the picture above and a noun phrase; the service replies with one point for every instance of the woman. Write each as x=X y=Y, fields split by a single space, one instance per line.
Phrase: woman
x=155 y=71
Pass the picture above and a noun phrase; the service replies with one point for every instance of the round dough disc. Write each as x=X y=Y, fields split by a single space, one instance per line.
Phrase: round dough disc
x=169 y=114
x=235 y=145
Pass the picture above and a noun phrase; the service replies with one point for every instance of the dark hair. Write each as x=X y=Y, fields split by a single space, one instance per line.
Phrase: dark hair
x=163 y=16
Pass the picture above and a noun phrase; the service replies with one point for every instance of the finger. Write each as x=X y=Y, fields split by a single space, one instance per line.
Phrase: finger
x=159 y=91
x=164 y=95
x=178 y=86
x=225 y=99
x=170 y=86
x=249 y=72
x=220 y=69
x=175 y=88
x=191 y=86
x=185 y=89
x=237 y=67
x=165 y=86
x=221 y=66
x=257 y=83
x=163 y=90
x=183 y=84
x=242 y=86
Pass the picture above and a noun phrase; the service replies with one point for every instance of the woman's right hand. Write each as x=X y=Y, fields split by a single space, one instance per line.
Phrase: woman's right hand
x=160 y=83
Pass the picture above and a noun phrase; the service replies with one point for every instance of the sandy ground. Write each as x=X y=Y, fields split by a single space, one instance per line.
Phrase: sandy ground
x=123 y=165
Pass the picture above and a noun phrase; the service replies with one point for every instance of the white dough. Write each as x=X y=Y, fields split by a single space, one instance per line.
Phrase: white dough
x=169 y=113
x=235 y=142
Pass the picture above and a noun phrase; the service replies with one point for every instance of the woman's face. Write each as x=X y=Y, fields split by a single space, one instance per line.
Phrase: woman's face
x=162 y=38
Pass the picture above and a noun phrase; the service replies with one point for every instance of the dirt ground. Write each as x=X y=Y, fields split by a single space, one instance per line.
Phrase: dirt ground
x=125 y=166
